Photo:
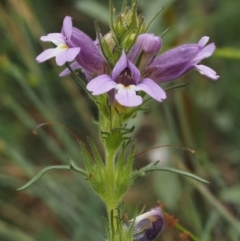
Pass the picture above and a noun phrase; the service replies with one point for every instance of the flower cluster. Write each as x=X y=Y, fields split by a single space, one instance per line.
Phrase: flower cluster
x=138 y=70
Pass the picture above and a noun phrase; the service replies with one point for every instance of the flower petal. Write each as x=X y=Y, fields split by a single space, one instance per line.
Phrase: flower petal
x=89 y=57
x=134 y=71
x=61 y=57
x=47 y=54
x=55 y=38
x=67 y=27
x=71 y=53
x=204 y=53
x=145 y=49
x=152 y=89
x=66 y=71
x=148 y=225
x=210 y=73
x=202 y=42
x=126 y=96
x=121 y=64
x=101 y=84
x=177 y=62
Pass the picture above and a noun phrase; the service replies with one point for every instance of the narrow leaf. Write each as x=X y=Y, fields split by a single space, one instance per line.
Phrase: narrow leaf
x=75 y=168
x=41 y=173
x=152 y=168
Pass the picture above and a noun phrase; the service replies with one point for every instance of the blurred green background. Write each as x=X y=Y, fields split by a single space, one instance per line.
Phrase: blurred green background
x=203 y=116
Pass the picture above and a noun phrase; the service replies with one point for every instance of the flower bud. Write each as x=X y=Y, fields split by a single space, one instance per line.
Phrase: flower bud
x=145 y=50
x=127 y=25
x=148 y=225
x=110 y=41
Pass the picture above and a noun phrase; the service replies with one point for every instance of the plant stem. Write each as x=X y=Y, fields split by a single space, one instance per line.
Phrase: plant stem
x=110 y=180
x=110 y=201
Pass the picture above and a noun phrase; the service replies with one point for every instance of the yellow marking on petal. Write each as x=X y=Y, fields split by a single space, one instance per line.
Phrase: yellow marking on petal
x=128 y=87
x=63 y=46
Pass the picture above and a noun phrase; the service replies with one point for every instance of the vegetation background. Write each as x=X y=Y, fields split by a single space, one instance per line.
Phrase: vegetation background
x=203 y=116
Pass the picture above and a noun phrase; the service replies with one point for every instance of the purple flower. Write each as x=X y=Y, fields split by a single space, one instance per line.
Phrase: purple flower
x=73 y=44
x=148 y=225
x=63 y=52
x=178 y=61
x=145 y=50
x=126 y=80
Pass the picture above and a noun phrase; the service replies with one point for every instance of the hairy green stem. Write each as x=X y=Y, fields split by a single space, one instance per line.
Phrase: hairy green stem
x=110 y=202
x=110 y=181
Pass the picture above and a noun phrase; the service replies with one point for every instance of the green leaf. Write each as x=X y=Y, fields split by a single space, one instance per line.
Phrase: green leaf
x=153 y=167
x=41 y=173
x=75 y=168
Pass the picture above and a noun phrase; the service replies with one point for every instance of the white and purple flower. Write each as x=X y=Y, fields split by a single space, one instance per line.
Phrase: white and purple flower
x=73 y=45
x=178 y=61
x=126 y=80
x=148 y=225
x=64 y=52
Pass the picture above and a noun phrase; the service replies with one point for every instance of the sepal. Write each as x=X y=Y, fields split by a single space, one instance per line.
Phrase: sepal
x=128 y=26
x=123 y=170
x=96 y=168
